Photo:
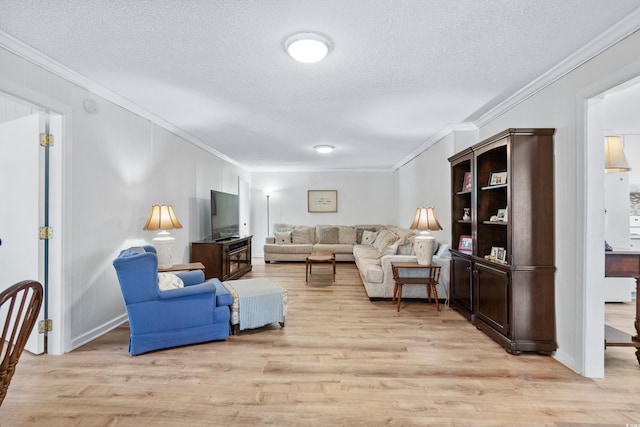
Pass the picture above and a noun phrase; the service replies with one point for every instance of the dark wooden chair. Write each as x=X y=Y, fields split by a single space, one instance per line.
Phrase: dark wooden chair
x=20 y=305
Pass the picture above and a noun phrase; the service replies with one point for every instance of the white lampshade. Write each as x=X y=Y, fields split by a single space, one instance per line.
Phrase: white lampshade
x=163 y=218
x=614 y=158
x=425 y=220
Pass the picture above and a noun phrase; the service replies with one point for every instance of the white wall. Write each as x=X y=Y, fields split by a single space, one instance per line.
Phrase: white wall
x=363 y=198
x=116 y=165
x=425 y=181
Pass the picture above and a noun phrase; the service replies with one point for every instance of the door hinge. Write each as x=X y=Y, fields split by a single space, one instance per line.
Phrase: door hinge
x=46 y=140
x=46 y=233
x=45 y=325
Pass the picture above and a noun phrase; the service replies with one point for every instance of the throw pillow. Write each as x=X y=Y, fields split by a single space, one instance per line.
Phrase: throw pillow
x=347 y=235
x=385 y=238
x=405 y=249
x=283 y=237
x=168 y=281
x=368 y=237
x=391 y=249
x=360 y=231
x=327 y=235
x=300 y=236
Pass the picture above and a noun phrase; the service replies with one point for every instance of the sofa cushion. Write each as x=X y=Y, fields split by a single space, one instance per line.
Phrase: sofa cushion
x=368 y=237
x=347 y=235
x=336 y=248
x=283 y=237
x=168 y=281
x=327 y=235
x=371 y=270
x=287 y=249
x=301 y=236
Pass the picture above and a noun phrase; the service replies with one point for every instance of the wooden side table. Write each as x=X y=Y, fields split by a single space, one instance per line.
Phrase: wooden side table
x=320 y=256
x=183 y=267
x=431 y=280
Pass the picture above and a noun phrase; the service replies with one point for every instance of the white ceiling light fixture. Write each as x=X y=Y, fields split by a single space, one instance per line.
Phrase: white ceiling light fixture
x=307 y=47
x=324 y=149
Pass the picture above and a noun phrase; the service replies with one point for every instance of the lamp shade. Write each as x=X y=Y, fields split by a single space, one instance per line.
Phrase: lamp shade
x=614 y=158
x=425 y=219
x=162 y=217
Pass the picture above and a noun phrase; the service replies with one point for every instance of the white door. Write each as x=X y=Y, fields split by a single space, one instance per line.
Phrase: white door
x=22 y=208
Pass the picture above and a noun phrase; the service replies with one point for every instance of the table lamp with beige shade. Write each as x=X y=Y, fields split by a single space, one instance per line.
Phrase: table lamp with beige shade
x=163 y=218
x=425 y=220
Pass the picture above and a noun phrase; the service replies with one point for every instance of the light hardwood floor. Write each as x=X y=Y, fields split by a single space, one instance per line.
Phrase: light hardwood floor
x=341 y=360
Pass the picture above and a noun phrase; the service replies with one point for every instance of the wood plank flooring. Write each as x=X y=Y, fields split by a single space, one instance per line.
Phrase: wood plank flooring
x=341 y=360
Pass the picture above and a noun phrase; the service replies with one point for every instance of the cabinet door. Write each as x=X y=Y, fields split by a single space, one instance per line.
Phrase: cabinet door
x=461 y=281
x=492 y=297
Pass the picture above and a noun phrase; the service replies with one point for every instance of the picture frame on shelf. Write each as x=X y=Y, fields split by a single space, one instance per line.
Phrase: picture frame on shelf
x=494 y=251
x=502 y=255
x=498 y=178
x=466 y=183
x=502 y=215
x=465 y=244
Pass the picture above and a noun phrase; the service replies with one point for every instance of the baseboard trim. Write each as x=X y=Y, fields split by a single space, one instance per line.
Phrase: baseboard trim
x=98 y=331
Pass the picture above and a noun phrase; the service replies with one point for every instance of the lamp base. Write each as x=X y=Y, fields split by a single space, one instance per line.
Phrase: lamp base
x=424 y=244
x=163 y=243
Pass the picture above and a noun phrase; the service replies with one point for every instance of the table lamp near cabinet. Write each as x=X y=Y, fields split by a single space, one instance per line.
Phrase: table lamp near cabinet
x=163 y=218
x=425 y=220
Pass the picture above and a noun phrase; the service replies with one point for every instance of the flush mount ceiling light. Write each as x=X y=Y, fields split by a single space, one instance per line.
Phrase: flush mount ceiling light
x=307 y=47
x=324 y=148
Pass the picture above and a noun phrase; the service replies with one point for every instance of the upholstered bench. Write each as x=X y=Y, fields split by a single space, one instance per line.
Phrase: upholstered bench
x=256 y=303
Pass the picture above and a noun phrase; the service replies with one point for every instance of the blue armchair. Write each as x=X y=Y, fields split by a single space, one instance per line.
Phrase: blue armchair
x=196 y=313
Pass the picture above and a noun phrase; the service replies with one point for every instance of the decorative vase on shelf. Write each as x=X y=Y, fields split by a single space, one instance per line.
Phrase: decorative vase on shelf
x=466 y=216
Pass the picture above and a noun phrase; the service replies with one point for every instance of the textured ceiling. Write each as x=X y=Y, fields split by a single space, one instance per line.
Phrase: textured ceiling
x=399 y=71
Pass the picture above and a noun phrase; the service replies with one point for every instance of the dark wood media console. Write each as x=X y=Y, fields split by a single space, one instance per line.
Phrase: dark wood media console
x=223 y=259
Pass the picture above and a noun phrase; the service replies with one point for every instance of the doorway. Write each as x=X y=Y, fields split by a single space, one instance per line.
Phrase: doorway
x=28 y=171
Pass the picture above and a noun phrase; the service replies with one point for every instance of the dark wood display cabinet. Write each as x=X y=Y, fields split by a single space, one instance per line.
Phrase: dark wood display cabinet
x=223 y=259
x=505 y=285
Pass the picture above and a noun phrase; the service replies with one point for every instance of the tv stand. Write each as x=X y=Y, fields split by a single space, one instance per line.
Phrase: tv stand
x=226 y=259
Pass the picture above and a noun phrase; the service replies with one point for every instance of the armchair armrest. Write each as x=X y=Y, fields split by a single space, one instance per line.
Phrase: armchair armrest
x=192 y=277
x=202 y=288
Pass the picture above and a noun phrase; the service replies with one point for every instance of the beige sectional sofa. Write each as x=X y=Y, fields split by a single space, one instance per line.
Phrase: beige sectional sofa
x=373 y=247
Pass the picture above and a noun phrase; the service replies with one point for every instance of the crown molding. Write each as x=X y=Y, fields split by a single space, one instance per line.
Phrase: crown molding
x=614 y=34
x=433 y=139
x=30 y=54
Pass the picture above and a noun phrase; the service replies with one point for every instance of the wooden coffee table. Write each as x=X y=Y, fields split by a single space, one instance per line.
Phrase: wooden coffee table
x=320 y=256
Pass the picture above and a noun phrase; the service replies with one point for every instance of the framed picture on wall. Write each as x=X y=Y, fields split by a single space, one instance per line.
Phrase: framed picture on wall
x=322 y=200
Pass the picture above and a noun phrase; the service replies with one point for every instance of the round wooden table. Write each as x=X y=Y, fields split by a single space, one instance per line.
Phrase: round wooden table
x=320 y=256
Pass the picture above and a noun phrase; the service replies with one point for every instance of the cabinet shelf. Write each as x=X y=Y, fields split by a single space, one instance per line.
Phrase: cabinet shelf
x=463 y=193
x=494 y=187
x=496 y=222
x=462 y=221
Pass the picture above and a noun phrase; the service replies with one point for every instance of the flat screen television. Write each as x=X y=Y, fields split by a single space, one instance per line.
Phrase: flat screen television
x=225 y=216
